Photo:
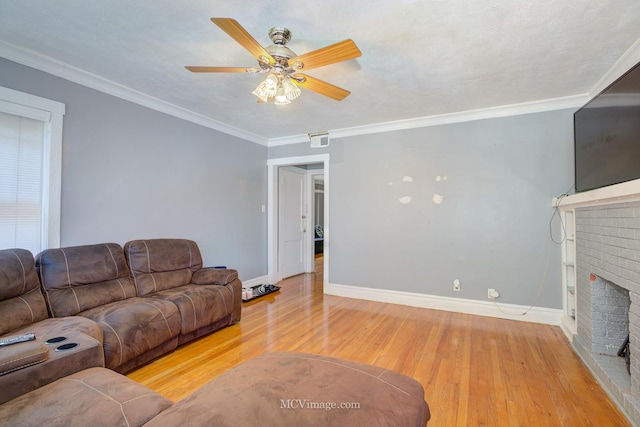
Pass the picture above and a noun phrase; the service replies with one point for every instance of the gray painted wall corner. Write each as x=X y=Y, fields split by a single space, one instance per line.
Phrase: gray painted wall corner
x=414 y=210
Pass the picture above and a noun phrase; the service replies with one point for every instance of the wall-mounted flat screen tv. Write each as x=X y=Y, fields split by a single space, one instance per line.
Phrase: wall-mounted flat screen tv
x=607 y=135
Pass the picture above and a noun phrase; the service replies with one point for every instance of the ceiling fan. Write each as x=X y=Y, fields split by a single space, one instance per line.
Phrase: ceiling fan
x=282 y=66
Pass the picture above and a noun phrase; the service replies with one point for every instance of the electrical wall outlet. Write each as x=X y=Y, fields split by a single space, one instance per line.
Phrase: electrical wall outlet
x=492 y=293
x=456 y=285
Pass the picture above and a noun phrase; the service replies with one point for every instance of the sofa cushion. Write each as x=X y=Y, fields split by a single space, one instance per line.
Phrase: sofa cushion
x=21 y=301
x=159 y=264
x=134 y=327
x=299 y=389
x=93 y=397
x=79 y=278
x=199 y=305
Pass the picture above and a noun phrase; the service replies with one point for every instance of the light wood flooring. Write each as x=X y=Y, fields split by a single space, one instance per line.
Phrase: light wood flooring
x=476 y=371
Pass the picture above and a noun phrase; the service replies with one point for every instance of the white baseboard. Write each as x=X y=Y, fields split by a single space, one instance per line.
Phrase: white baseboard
x=568 y=326
x=262 y=280
x=548 y=316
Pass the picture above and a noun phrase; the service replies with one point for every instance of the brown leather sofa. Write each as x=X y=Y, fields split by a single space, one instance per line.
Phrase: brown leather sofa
x=93 y=281
x=23 y=310
x=86 y=295
x=171 y=269
x=147 y=302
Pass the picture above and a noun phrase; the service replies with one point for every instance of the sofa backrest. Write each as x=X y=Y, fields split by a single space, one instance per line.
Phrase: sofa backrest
x=78 y=278
x=21 y=301
x=158 y=264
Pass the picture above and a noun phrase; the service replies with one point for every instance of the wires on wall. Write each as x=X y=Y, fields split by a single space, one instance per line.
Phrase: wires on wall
x=556 y=214
x=563 y=234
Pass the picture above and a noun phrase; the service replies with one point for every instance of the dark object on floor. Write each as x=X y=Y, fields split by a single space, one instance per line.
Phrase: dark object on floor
x=259 y=291
x=626 y=353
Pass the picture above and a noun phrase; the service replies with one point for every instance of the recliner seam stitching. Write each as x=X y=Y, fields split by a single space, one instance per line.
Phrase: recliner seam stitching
x=73 y=291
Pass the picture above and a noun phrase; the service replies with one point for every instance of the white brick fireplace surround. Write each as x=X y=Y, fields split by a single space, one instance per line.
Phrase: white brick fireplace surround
x=607 y=275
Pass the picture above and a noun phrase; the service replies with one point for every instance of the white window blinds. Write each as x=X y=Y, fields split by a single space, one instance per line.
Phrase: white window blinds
x=21 y=182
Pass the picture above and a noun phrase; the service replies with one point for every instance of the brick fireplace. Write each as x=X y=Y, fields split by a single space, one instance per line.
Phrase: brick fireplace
x=610 y=305
x=607 y=241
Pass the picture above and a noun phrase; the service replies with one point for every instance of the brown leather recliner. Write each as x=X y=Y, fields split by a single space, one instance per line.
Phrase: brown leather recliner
x=171 y=269
x=29 y=365
x=93 y=281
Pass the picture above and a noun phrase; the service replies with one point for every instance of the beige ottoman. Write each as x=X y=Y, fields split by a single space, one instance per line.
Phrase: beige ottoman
x=298 y=389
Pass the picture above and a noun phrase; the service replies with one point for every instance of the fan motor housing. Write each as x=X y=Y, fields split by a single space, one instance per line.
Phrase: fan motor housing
x=280 y=36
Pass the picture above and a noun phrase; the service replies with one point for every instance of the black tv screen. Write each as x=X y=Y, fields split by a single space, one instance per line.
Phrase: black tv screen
x=607 y=135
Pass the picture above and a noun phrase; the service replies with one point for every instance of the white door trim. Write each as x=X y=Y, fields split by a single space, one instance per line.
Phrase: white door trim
x=272 y=218
x=310 y=243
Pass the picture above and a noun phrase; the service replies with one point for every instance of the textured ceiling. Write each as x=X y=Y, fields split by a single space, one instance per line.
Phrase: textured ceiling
x=419 y=58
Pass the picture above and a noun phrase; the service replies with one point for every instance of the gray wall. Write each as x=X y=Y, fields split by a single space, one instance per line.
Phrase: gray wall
x=130 y=172
x=491 y=230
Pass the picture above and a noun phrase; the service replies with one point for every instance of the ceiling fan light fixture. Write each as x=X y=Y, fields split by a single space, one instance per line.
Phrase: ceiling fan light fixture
x=281 y=93
x=278 y=88
x=291 y=91
x=281 y=98
x=267 y=88
x=282 y=84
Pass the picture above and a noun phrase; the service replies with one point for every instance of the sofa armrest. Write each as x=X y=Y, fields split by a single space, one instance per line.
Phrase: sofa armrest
x=214 y=276
x=18 y=356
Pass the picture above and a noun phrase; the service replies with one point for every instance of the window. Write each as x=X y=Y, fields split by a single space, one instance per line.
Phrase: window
x=30 y=166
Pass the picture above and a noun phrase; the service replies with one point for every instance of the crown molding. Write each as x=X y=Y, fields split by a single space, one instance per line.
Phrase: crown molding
x=76 y=75
x=292 y=139
x=566 y=102
x=630 y=58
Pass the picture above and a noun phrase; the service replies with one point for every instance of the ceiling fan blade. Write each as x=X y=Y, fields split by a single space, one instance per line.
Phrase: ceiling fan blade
x=321 y=87
x=239 y=34
x=331 y=54
x=195 y=69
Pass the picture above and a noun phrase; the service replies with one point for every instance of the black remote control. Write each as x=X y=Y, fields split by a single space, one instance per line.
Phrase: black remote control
x=16 y=339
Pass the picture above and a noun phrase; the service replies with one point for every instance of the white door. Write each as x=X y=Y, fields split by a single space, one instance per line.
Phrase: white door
x=291 y=221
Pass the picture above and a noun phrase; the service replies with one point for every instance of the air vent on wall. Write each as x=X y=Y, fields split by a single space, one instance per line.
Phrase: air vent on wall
x=319 y=139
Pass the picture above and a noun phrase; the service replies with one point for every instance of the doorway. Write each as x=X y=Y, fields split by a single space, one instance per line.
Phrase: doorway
x=273 y=227
x=317 y=197
x=292 y=221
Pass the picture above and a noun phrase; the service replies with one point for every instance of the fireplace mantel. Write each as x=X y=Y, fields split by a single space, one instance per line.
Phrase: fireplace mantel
x=602 y=241
x=619 y=193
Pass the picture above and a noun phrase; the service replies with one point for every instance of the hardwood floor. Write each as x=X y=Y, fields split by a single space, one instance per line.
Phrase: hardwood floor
x=476 y=371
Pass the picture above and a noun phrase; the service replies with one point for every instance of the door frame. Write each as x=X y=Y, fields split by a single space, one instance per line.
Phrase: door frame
x=302 y=215
x=310 y=243
x=272 y=214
